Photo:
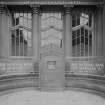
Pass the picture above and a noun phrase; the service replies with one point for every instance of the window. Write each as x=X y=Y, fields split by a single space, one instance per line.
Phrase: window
x=21 y=35
x=82 y=33
x=51 y=29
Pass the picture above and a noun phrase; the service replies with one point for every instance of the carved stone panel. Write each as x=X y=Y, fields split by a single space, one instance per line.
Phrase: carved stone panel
x=52 y=72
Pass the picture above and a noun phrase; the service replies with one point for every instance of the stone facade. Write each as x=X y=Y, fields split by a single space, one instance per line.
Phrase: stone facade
x=53 y=65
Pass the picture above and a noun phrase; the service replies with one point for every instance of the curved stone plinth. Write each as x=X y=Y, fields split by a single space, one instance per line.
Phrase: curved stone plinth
x=11 y=82
x=90 y=83
x=87 y=83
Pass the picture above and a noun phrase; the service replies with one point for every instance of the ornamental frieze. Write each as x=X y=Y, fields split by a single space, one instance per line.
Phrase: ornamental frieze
x=52 y=2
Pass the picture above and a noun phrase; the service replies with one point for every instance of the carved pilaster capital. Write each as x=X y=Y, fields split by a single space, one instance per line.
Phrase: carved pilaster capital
x=35 y=9
x=104 y=6
x=100 y=6
x=2 y=9
x=68 y=9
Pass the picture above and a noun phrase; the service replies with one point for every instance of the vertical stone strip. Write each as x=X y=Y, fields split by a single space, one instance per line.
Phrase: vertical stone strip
x=100 y=33
x=35 y=32
x=104 y=30
x=98 y=24
x=68 y=32
x=4 y=32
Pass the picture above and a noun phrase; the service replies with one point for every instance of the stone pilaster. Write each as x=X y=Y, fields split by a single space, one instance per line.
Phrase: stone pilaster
x=99 y=31
x=4 y=32
x=104 y=30
x=95 y=33
x=35 y=32
x=68 y=32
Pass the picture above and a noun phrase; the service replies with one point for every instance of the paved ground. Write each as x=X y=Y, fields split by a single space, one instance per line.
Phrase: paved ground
x=32 y=97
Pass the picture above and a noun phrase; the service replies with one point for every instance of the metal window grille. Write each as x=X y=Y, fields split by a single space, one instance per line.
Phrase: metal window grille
x=82 y=33
x=21 y=33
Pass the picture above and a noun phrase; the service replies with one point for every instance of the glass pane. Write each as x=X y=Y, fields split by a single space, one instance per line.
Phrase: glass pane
x=82 y=33
x=21 y=36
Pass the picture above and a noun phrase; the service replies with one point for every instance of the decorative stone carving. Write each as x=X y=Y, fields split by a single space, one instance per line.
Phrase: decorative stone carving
x=35 y=9
x=2 y=9
x=68 y=9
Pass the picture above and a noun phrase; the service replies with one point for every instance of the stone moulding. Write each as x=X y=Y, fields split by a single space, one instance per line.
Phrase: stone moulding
x=51 y=2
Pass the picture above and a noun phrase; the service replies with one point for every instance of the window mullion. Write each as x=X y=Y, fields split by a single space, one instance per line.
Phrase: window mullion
x=19 y=39
x=27 y=36
x=15 y=50
x=84 y=42
x=23 y=36
x=88 y=39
